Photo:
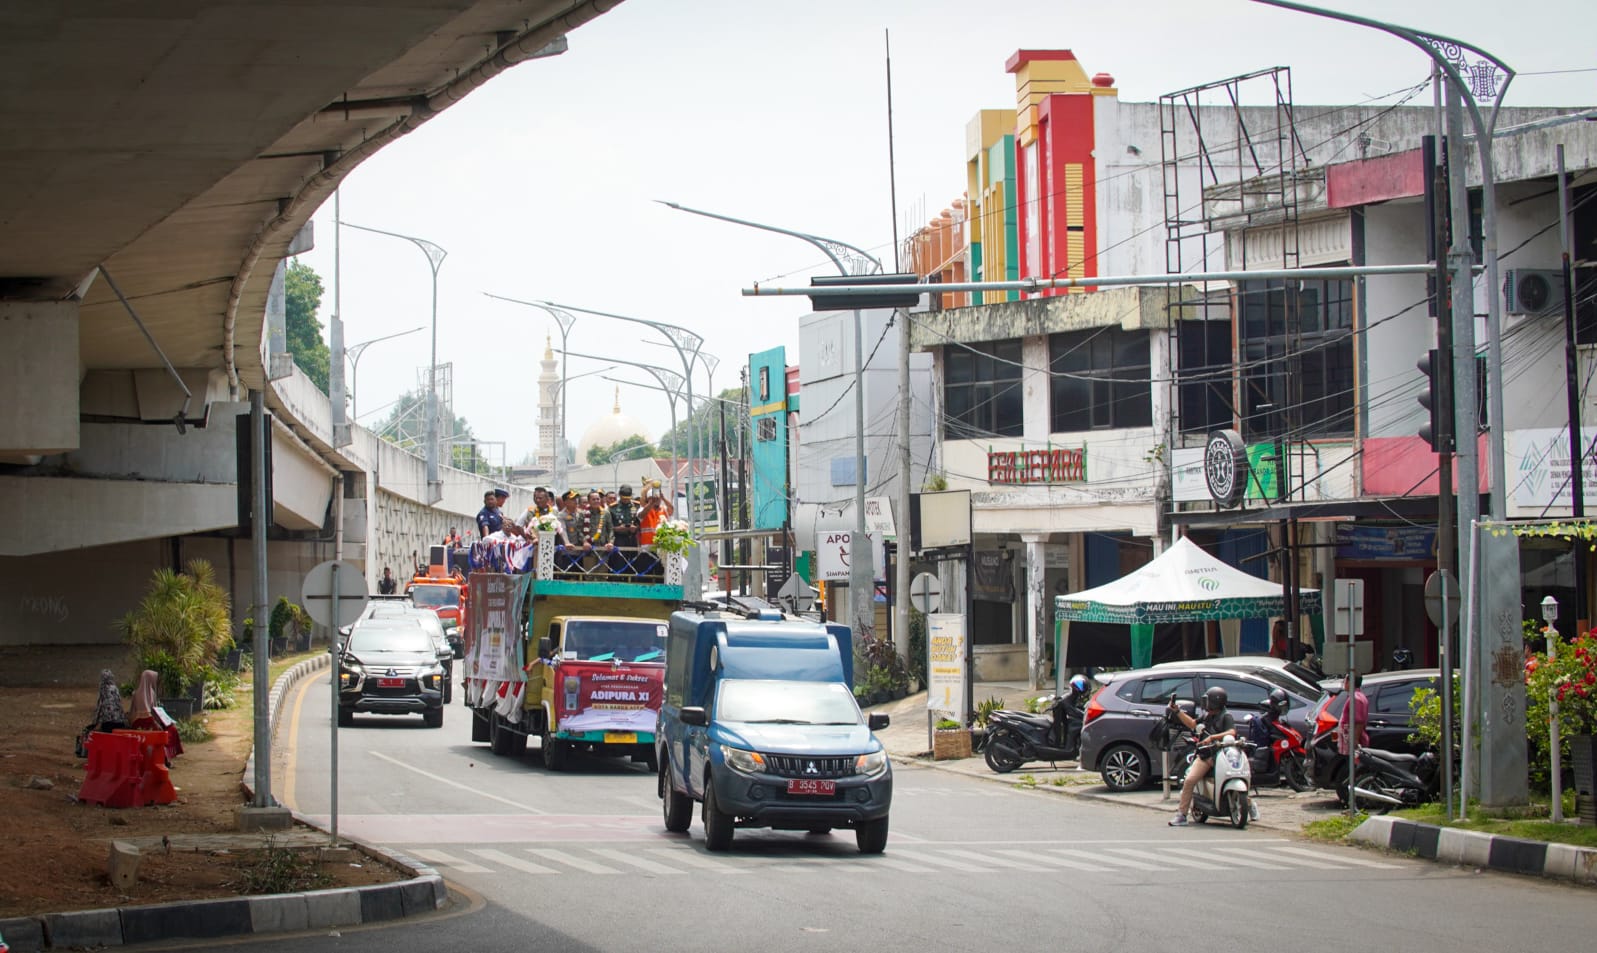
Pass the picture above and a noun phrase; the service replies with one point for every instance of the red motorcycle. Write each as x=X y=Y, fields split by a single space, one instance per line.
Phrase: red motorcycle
x=1280 y=756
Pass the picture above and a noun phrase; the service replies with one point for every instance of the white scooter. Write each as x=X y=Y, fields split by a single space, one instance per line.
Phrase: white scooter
x=1226 y=791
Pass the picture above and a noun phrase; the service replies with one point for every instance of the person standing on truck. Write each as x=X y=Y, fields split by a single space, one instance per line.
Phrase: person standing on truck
x=654 y=512
x=489 y=519
x=387 y=584
x=568 y=535
x=621 y=527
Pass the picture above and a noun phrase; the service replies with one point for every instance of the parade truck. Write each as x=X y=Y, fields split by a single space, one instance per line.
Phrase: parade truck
x=441 y=589
x=573 y=658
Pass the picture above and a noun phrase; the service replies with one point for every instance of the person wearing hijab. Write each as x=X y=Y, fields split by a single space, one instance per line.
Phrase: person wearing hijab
x=146 y=713
x=108 y=712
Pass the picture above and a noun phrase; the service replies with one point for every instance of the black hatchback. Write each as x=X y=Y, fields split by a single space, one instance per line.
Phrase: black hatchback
x=1121 y=718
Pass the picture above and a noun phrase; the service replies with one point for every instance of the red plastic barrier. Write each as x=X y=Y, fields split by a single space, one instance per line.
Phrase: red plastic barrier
x=115 y=774
x=155 y=786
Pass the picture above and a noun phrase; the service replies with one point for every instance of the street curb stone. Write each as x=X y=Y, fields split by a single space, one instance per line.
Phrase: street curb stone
x=1477 y=849
x=424 y=892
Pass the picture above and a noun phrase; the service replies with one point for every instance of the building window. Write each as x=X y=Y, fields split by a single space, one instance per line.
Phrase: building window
x=1296 y=349
x=767 y=428
x=1204 y=375
x=1099 y=379
x=981 y=390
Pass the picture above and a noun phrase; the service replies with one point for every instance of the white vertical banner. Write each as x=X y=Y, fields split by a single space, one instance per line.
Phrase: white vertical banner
x=945 y=670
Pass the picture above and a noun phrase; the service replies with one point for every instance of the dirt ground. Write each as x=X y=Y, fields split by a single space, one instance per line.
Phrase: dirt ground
x=54 y=850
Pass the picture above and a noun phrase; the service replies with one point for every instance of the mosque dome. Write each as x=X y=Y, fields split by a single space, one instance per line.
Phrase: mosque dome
x=609 y=430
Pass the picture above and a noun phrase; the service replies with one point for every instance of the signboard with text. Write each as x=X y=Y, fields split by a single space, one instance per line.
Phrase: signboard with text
x=1037 y=466
x=945 y=668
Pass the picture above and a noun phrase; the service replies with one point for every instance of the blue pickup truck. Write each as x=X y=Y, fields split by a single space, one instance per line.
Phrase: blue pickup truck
x=760 y=726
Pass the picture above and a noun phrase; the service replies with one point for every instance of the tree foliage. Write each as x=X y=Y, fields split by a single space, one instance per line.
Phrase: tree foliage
x=303 y=298
x=618 y=451
x=707 y=427
x=180 y=627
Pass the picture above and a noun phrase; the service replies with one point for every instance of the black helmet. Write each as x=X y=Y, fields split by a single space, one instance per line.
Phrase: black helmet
x=1214 y=699
x=1403 y=657
x=1278 y=702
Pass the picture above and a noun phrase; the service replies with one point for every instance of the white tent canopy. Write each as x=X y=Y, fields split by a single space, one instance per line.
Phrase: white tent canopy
x=1184 y=584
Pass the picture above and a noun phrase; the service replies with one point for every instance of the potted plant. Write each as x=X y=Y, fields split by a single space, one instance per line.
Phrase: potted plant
x=950 y=740
x=289 y=624
x=179 y=629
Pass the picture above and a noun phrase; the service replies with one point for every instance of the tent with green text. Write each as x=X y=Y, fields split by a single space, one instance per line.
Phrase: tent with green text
x=1183 y=584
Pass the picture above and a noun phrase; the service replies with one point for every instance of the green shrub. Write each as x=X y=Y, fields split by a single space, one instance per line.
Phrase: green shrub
x=181 y=626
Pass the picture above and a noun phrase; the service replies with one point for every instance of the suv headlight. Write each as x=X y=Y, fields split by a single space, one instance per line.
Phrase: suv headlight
x=871 y=765
x=739 y=759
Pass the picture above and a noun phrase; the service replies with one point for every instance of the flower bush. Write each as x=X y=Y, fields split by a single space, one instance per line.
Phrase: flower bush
x=546 y=523
x=672 y=537
x=1571 y=679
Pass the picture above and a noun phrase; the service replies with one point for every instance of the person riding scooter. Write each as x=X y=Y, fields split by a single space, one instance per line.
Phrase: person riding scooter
x=1217 y=725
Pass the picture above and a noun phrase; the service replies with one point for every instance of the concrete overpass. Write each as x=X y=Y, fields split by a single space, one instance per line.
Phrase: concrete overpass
x=160 y=161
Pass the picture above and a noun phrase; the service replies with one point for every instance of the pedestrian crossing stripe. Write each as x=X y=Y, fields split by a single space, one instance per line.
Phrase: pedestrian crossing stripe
x=942 y=858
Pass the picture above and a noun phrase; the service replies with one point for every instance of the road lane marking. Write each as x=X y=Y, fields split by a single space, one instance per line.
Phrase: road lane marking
x=1103 y=861
x=894 y=863
x=1034 y=858
x=993 y=860
x=642 y=863
x=514 y=863
x=692 y=858
x=1278 y=861
x=449 y=860
x=1165 y=859
x=456 y=784
x=562 y=857
x=1339 y=858
x=1231 y=859
x=938 y=860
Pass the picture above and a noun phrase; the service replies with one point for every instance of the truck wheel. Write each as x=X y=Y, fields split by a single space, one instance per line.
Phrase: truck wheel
x=479 y=725
x=346 y=717
x=678 y=807
x=502 y=740
x=555 y=752
x=871 y=836
x=718 y=827
x=433 y=718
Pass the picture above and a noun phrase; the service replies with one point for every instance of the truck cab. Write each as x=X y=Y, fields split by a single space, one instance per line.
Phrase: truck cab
x=760 y=727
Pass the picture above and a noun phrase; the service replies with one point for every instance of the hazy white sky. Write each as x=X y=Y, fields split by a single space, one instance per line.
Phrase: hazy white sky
x=540 y=184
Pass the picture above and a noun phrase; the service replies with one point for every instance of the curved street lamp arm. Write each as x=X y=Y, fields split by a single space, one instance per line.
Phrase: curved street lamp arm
x=435 y=254
x=831 y=247
x=563 y=318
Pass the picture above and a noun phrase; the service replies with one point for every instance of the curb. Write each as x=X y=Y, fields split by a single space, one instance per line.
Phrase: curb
x=1452 y=845
x=425 y=892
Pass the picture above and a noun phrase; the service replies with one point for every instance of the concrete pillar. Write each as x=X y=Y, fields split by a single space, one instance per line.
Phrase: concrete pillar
x=1039 y=618
x=39 y=371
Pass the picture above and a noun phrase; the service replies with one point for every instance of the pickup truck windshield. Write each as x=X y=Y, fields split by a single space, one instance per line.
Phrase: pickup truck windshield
x=614 y=640
x=762 y=701
x=431 y=597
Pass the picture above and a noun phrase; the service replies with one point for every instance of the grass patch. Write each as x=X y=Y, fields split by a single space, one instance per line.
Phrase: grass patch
x=1529 y=823
x=1333 y=829
x=193 y=731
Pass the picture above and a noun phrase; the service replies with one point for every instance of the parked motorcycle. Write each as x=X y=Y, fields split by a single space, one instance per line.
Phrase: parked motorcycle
x=1016 y=737
x=1387 y=779
x=1279 y=756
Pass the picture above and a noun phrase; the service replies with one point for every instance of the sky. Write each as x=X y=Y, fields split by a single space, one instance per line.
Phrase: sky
x=542 y=185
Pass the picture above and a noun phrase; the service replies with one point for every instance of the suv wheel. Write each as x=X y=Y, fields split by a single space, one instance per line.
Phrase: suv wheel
x=678 y=807
x=1124 y=767
x=433 y=718
x=717 y=826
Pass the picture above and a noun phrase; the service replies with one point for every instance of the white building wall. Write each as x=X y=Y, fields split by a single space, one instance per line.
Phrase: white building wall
x=1398 y=333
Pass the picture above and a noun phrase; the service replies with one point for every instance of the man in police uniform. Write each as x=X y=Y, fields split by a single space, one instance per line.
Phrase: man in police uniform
x=489 y=519
x=620 y=530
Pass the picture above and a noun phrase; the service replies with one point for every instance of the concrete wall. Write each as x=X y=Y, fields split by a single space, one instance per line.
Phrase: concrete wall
x=38 y=370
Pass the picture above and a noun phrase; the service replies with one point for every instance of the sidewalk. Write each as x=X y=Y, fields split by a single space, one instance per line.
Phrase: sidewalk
x=905 y=739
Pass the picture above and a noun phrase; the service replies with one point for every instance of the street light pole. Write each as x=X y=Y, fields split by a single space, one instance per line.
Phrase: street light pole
x=861 y=571
x=565 y=320
x=435 y=260
x=354 y=352
x=670 y=382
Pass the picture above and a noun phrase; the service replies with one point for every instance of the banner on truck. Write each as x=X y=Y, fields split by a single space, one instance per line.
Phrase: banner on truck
x=493 y=635
x=598 y=698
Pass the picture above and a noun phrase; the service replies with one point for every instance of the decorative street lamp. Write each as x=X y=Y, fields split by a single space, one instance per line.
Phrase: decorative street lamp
x=353 y=352
x=435 y=260
x=565 y=320
x=670 y=381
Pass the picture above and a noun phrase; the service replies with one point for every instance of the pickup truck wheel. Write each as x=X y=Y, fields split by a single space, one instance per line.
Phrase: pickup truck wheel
x=555 y=752
x=678 y=807
x=346 y=717
x=433 y=718
x=871 y=836
x=718 y=827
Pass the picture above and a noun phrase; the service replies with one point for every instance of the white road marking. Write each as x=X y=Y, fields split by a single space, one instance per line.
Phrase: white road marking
x=692 y=858
x=563 y=857
x=1103 y=860
x=938 y=860
x=642 y=863
x=438 y=857
x=1230 y=859
x=996 y=859
x=514 y=863
x=1275 y=859
x=456 y=784
x=1339 y=858
x=1166 y=859
x=1035 y=858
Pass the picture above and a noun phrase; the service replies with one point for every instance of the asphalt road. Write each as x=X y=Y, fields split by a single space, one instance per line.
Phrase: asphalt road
x=580 y=861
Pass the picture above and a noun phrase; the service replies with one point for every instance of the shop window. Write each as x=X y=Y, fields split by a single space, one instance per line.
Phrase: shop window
x=1296 y=348
x=981 y=390
x=1099 y=379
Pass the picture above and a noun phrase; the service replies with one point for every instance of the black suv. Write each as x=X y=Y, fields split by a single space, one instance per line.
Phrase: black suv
x=391 y=667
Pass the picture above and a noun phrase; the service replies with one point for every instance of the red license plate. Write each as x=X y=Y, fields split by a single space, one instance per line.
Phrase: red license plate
x=806 y=786
x=390 y=683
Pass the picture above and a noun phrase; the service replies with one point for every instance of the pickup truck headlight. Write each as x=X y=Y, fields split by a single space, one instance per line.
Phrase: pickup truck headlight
x=870 y=765
x=349 y=672
x=433 y=680
x=739 y=759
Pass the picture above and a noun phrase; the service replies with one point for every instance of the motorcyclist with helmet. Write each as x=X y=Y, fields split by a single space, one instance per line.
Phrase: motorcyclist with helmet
x=1217 y=724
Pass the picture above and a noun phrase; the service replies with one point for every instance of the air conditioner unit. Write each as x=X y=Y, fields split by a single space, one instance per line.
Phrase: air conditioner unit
x=1534 y=291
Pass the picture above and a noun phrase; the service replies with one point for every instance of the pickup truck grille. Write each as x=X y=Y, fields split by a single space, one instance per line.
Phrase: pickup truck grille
x=797 y=766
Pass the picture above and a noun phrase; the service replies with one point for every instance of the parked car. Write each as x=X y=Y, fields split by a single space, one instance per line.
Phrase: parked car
x=391 y=667
x=1121 y=718
x=1301 y=676
x=1391 y=724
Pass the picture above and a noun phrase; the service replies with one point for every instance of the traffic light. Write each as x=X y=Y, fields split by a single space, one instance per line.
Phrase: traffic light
x=1437 y=398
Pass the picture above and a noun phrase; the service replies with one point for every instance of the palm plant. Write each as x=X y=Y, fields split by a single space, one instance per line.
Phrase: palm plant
x=180 y=626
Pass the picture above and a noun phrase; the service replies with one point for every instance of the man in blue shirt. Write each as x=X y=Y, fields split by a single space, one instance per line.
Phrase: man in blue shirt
x=489 y=519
